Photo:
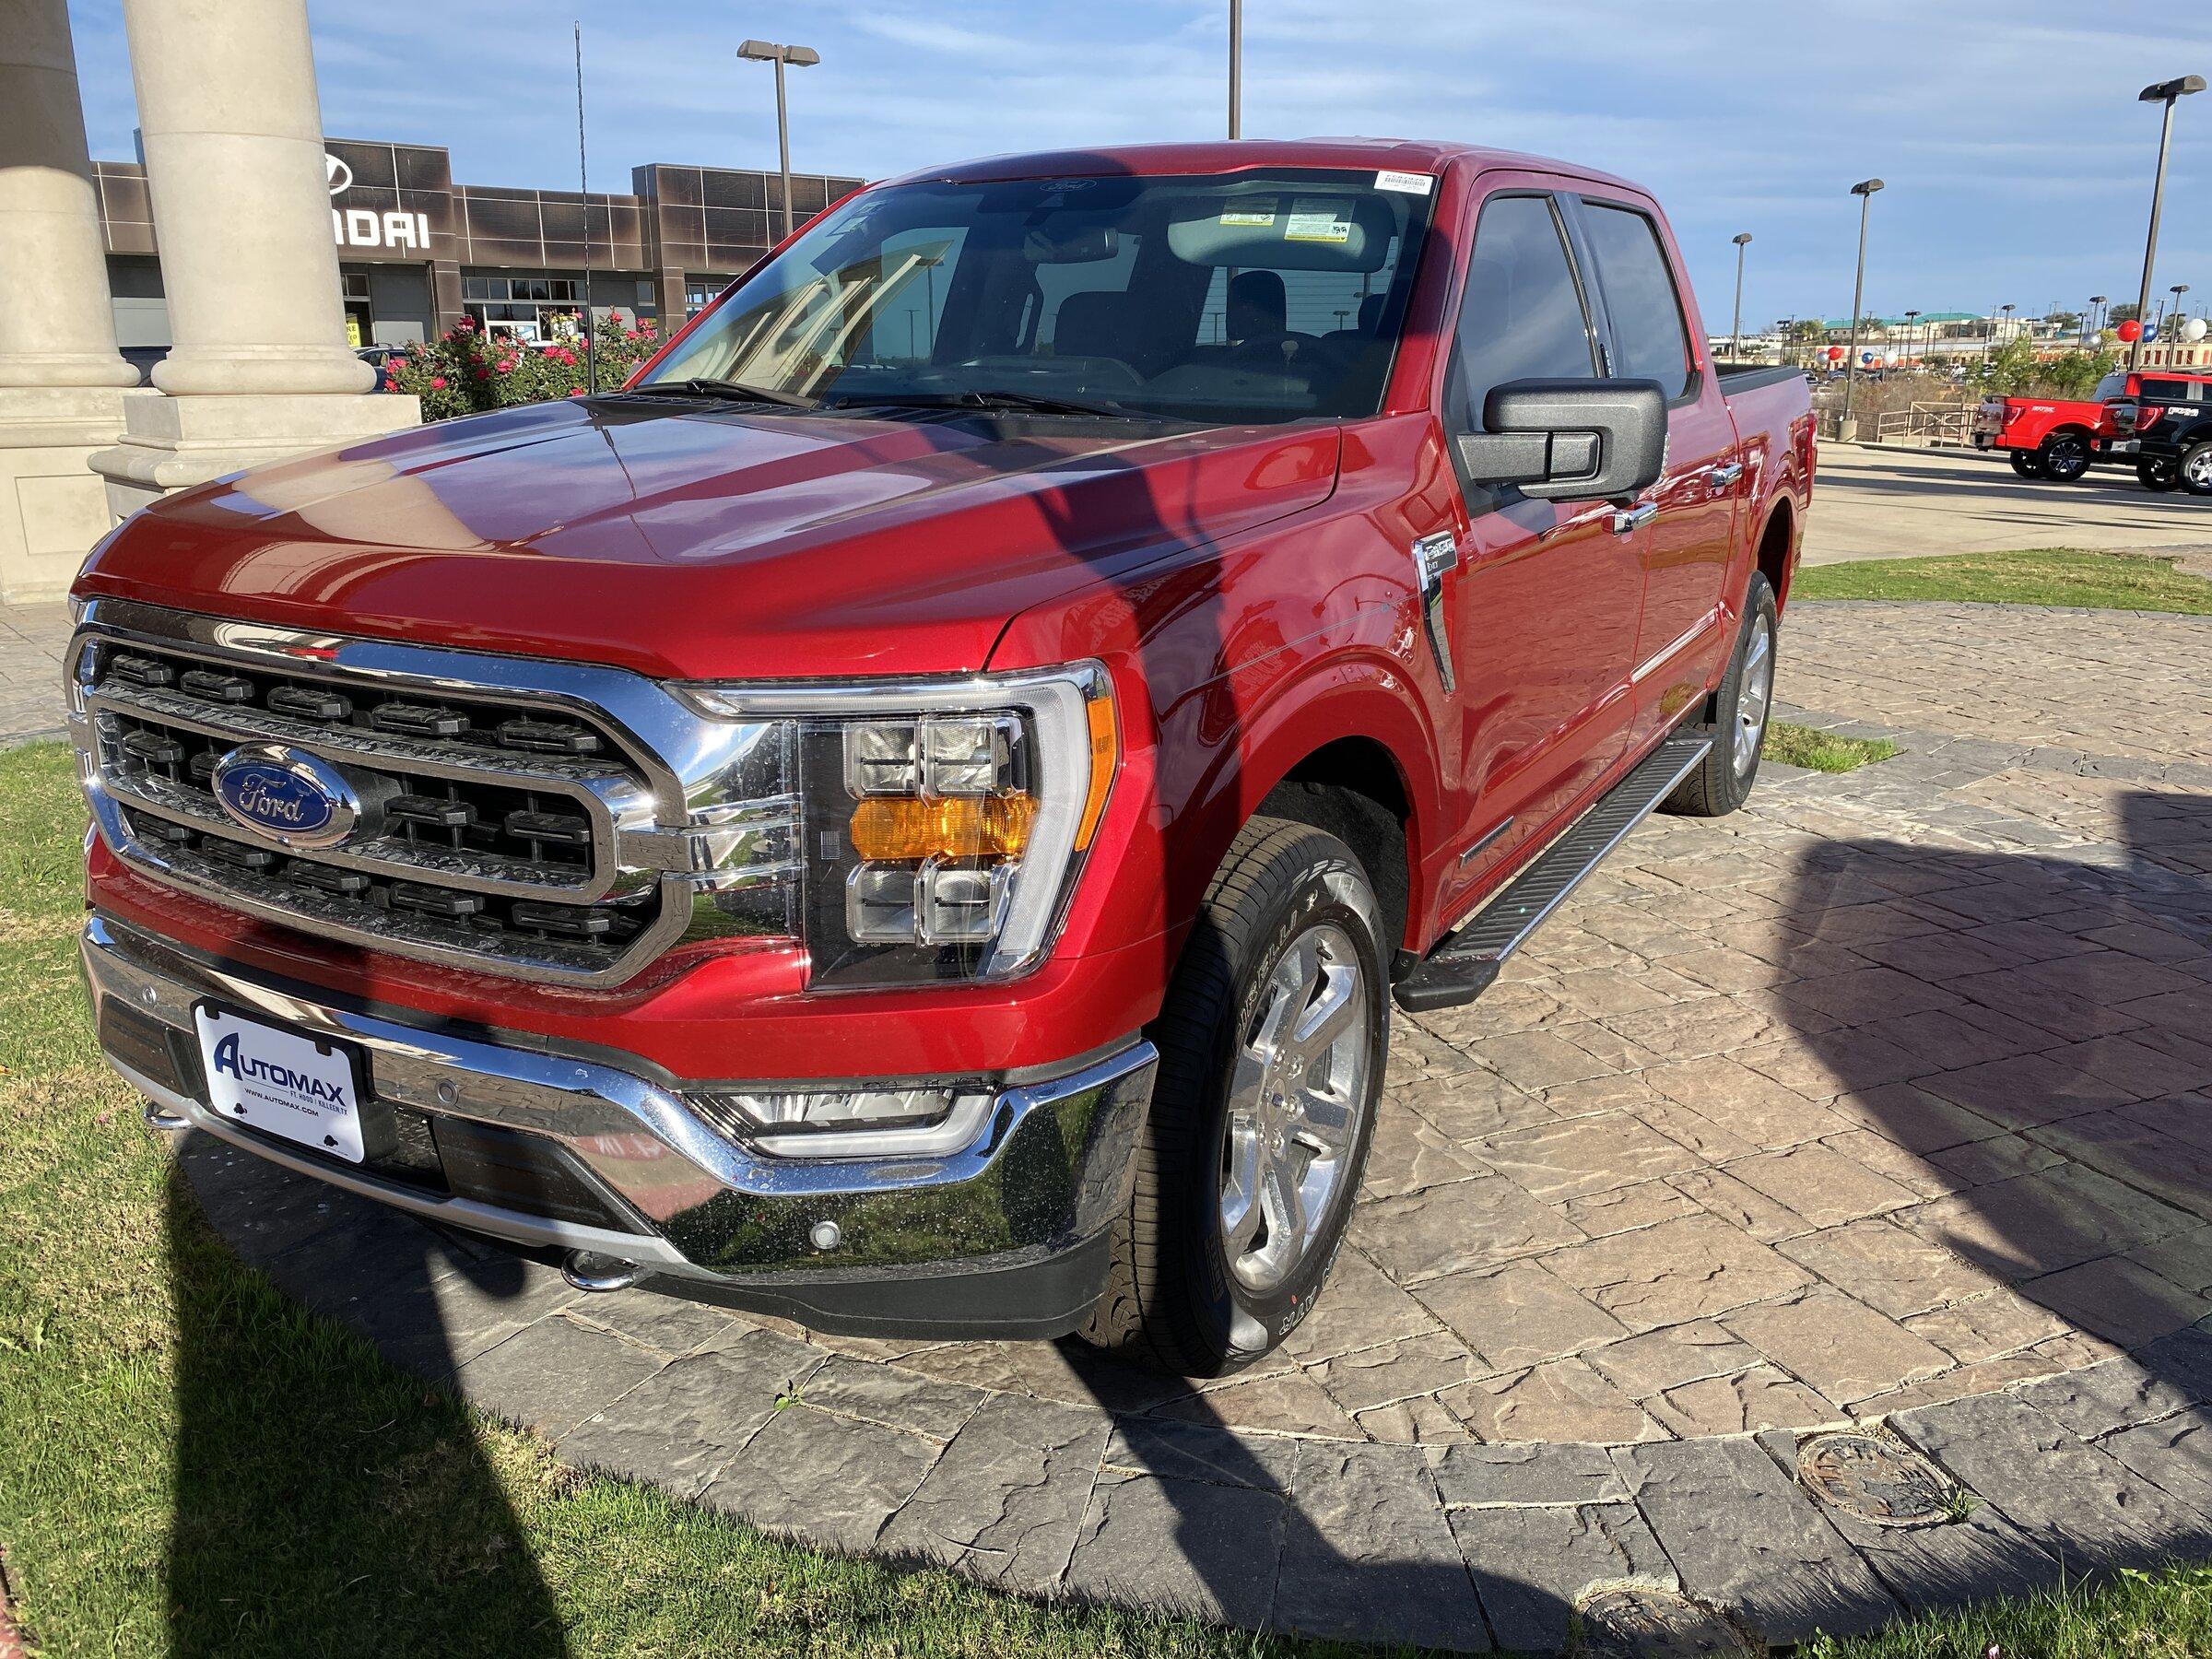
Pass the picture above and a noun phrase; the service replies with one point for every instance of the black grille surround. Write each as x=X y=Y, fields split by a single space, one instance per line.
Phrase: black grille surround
x=495 y=829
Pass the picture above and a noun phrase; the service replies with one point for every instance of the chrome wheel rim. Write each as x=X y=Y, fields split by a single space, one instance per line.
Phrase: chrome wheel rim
x=1754 y=691
x=1296 y=1101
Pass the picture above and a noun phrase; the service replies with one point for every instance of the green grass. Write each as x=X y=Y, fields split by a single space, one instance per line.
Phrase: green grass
x=192 y=1462
x=2041 y=576
x=1823 y=751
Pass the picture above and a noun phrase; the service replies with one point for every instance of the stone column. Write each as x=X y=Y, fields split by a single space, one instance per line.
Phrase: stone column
x=232 y=131
x=61 y=386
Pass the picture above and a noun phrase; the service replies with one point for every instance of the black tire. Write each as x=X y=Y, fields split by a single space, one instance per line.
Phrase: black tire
x=2160 y=474
x=2196 y=468
x=2028 y=464
x=1172 y=1298
x=2066 y=456
x=1720 y=784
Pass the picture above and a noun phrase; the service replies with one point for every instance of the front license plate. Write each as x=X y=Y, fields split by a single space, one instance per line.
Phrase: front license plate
x=282 y=1082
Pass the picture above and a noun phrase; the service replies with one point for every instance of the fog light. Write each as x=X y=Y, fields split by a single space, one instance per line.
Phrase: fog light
x=846 y=1123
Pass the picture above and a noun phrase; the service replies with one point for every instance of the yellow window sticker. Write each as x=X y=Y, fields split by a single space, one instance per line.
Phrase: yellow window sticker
x=1317 y=219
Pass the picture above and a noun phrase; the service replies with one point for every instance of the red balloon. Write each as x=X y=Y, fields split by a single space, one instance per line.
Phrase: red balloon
x=2131 y=331
x=1835 y=353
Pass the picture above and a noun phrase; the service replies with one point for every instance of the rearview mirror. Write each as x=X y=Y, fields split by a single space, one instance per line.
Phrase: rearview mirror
x=1570 y=440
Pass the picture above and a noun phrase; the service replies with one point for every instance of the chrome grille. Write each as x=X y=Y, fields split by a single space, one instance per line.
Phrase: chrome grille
x=511 y=827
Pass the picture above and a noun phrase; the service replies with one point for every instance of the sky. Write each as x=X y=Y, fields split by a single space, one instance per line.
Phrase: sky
x=2018 y=161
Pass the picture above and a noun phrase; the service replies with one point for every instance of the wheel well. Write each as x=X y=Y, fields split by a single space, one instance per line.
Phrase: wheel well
x=1351 y=789
x=1774 y=551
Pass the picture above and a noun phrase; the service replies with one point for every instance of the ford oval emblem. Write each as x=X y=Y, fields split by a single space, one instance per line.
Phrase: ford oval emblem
x=286 y=794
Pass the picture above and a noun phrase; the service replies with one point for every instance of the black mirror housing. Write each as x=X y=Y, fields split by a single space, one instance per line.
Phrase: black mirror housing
x=1570 y=440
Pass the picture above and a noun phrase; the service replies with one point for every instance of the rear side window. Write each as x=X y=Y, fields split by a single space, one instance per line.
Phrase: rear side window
x=1521 y=317
x=1649 y=341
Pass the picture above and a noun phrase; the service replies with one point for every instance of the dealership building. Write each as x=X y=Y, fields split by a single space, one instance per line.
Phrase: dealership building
x=416 y=252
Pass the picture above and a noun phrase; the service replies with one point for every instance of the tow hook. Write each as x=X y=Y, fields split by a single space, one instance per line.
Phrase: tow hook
x=588 y=1270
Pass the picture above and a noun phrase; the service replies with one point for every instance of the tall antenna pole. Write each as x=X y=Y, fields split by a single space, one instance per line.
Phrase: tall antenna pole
x=584 y=185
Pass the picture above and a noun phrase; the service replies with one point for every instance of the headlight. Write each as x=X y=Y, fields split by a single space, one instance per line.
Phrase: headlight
x=941 y=823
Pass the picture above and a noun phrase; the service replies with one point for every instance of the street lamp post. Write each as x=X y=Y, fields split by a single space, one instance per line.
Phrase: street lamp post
x=1236 y=68
x=2167 y=93
x=1864 y=190
x=1736 y=328
x=798 y=57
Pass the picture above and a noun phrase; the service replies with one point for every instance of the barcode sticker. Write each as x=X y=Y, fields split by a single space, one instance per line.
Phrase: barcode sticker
x=1409 y=183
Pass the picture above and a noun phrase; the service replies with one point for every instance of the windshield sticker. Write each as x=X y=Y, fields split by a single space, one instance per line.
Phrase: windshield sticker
x=1252 y=213
x=1317 y=219
x=1409 y=183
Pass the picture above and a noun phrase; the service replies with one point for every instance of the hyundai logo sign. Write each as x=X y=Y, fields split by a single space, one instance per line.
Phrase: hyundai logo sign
x=290 y=796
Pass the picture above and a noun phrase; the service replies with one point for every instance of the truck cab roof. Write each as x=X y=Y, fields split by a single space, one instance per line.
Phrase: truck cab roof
x=1236 y=154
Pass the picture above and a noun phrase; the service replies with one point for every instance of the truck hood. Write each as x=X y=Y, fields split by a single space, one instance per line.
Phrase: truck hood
x=693 y=542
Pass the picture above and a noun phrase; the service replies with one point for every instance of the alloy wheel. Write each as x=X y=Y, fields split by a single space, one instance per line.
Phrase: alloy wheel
x=1754 y=693
x=1296 y=1100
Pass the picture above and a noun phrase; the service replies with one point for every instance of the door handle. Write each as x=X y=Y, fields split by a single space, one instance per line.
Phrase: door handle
x=1627 y=521
x=1726 y=476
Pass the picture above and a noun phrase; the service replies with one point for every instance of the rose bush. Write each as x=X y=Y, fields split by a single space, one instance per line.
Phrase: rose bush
x=469 y=370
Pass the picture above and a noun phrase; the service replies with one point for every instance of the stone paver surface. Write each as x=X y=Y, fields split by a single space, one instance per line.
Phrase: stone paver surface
x=1887 y=1099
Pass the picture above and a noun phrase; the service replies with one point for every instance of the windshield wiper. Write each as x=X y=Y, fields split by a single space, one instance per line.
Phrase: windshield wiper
x=735 y=391
x=1034 y=402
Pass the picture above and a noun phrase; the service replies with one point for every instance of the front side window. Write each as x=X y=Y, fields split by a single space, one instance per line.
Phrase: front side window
x=1521 y=316
x=1649 y=340
x=1243 y=297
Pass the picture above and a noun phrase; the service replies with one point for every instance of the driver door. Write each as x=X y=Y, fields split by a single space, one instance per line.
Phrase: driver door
x=1543 y=608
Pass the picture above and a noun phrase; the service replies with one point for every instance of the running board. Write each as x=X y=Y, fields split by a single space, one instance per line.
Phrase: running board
x=1465 y=962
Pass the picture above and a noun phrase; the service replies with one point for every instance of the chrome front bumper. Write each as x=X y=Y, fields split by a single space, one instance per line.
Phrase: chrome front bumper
x=1005 y=1237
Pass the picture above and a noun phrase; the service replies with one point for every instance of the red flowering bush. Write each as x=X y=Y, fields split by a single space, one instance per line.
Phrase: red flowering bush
x=471 y=368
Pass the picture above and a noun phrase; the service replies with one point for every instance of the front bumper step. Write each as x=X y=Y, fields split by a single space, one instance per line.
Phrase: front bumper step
x=1466 y=961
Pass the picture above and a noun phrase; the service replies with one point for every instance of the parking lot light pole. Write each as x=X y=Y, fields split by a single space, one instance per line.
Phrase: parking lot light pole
x=1736 y=328
x=798 y=57
x=2167 y=93
x=1236 y=68
x=1864 y=190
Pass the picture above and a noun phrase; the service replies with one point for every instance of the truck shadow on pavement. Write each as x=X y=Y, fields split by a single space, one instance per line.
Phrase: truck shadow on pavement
x=2032 y=1035
x=323 y=1503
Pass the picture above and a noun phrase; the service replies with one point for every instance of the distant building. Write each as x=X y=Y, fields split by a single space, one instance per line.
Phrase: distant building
x=416 y=252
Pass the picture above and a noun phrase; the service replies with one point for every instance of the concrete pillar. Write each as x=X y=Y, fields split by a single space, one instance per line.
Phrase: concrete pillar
x=61 y=386
x=232 y=132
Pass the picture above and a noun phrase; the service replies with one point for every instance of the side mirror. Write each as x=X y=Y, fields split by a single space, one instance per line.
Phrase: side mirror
x=1570 y=440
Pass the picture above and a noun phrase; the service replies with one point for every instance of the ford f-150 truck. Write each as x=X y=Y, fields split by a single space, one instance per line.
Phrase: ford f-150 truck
x=913 y=815
x=2165 y=419
x=2059 y=439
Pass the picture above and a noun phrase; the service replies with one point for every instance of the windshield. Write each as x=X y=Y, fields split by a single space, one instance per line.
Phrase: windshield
x=1253 y=296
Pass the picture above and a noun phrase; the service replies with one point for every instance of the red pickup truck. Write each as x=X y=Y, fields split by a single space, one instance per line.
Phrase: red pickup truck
x=2059 y=439
x=913 y=815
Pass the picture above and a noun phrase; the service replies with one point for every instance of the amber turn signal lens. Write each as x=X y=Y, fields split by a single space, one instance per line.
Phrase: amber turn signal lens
x=904 y=826
x=1105 y=751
